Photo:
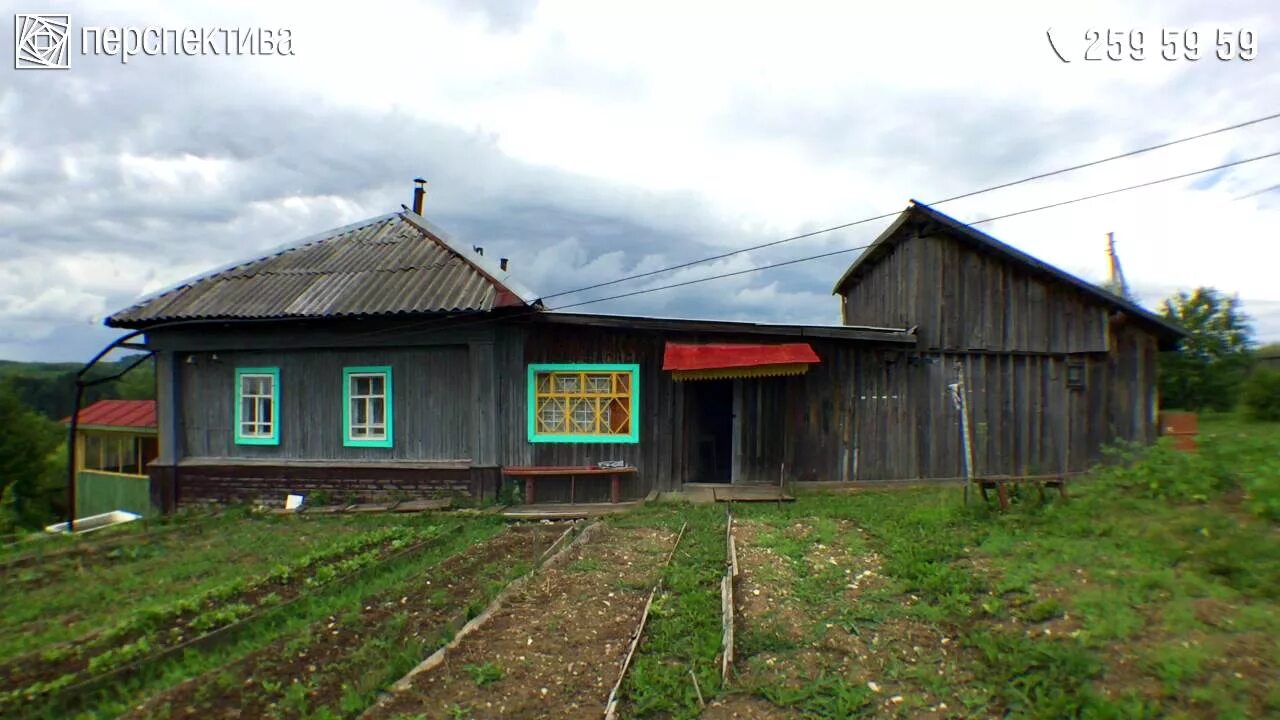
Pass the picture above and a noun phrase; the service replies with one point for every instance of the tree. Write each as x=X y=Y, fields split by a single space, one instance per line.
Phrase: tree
x=1206 y=373
x=30 y=484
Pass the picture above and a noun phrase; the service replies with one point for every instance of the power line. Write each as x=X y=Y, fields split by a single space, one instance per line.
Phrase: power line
x=819 y=256
x=1258 y=192
x=1131 y=187
x=795 y=261
x=973 y=193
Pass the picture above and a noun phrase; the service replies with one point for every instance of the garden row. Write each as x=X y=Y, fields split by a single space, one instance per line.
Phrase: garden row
x=155 y=632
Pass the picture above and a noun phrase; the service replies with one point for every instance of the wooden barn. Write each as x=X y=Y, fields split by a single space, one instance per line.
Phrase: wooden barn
x=385 y=358
x=1055 y=368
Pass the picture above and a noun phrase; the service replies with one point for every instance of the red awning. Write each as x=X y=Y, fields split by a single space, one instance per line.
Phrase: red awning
x=139 y=414
x=724 y=360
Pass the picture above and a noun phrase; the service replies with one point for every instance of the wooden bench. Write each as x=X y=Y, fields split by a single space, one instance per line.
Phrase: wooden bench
x=532 y=473
x=1000 y=484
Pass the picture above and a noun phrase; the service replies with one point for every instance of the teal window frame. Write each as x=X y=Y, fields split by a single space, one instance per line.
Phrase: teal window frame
x=531 y=408
x=240 y=437
x=389 y=406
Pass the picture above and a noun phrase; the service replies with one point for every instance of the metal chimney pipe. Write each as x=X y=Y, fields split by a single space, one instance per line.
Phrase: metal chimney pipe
x=502 y=263
x=418 y=193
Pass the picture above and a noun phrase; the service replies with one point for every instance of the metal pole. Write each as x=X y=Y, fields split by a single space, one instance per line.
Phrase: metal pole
x=962 y=404
x=71 y=460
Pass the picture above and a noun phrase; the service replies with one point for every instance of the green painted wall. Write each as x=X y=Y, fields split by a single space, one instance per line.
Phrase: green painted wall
x=102 y=492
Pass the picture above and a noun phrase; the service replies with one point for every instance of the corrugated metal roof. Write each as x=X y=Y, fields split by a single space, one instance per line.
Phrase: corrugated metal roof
x=119 y=413
x=393 y=264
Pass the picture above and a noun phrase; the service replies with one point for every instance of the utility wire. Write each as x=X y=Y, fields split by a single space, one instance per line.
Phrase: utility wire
x=973 y=193
x=1258 y=192
x=456 y=322
x=977 y=222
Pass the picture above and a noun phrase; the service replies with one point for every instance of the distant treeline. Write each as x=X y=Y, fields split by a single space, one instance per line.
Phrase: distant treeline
x=49 y=388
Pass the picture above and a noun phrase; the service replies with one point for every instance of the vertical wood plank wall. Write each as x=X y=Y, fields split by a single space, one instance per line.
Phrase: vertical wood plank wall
x=432 y=396
x=1014 y=335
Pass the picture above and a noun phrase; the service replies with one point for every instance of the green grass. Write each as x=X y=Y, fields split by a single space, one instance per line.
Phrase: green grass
x=683 y=630
x=1153 y=592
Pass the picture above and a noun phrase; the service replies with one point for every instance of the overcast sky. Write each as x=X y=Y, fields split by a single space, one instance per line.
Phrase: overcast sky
x=590 y=140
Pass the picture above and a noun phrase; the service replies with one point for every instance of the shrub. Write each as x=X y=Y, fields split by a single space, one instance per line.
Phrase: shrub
x=1262 y=395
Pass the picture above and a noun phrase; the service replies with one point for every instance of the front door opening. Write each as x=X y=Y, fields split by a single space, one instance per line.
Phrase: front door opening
x=709 y=412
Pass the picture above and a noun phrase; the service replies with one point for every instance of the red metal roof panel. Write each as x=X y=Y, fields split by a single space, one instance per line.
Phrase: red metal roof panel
x=682 y=356
x=119 y=413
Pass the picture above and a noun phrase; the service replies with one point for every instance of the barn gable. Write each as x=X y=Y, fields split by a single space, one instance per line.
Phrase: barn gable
x=967 y=291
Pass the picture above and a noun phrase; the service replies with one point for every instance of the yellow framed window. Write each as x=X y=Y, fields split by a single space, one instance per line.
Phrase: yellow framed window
x=584 y=403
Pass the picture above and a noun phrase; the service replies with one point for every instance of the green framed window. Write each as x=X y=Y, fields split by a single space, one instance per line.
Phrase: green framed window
x=588 y=403
x=367 y=406
x=257 y=404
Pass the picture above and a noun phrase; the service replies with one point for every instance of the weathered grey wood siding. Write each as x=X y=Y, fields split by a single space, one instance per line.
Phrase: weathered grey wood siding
x=1014 y=334
x=432 y=397
x=964 y=299
x=519 y=346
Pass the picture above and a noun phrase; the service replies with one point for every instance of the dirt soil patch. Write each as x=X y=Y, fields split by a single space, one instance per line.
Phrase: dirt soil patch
x=335 y=655
x=553 y=650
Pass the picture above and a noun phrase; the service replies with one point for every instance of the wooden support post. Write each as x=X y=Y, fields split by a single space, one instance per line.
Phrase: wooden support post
x=615 y=488
x=528 y=490
x=1002 y=492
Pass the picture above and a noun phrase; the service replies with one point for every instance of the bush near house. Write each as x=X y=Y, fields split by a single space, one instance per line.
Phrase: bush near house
x=30 y=466
x=1262 y=394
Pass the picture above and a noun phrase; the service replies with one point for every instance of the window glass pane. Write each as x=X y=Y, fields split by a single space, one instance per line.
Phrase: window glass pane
x=93 y=452
x=264 y=410
x=359 y=412
x=110 y=454
x=378 y=413
x=584 y=418
x=599 y=383
x=566 y=383
x=376 y=383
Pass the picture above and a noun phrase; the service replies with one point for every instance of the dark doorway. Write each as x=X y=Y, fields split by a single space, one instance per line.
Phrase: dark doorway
x=709 y=412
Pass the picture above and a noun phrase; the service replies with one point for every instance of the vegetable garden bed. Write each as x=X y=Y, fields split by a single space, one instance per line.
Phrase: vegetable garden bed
x=339 y=664
x=553 y=650
x=150 y=632
x=70 y=595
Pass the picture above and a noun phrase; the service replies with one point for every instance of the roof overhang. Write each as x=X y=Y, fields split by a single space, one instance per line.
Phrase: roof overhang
x=718 y=361
x=876 y=335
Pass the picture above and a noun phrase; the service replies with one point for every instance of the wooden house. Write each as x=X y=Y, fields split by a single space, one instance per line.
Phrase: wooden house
x=387 y=359
x=115 y=440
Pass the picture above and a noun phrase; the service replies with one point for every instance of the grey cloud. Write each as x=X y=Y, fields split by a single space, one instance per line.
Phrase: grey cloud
x=501 y=15
x=344 y=164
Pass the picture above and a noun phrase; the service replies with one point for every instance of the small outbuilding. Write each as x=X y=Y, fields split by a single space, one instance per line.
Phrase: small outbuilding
x=115 y=440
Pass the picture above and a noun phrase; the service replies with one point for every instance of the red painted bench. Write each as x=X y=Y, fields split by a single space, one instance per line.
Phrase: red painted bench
x=532 y=473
